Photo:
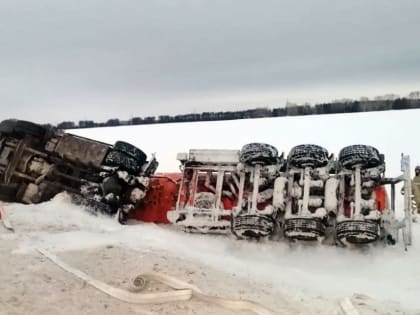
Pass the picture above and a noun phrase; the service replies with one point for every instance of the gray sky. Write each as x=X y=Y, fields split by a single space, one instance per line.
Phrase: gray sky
x=95 y=59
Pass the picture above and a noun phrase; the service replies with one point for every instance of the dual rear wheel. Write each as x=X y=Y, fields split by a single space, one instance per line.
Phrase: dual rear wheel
x=126 y=157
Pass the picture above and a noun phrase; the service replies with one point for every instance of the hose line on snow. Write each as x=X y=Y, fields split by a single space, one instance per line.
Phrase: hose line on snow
x=183 y=290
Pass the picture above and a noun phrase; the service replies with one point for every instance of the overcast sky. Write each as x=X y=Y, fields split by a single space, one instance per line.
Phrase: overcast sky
x=95 y=59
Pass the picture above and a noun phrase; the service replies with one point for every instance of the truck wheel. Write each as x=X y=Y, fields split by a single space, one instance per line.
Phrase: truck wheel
x=248 y=226
x=131 y=151
x=111 y=185
x=21 y=128
x=358 y=231
x=254 y=153
x=7 y=126
x=8 y=192
x=359 y=155
x=307 y=155
x=123 y=161
x=21 y=191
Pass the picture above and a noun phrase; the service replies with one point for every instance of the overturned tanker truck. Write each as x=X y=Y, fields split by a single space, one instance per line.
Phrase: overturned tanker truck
x=37 y=162
x=308 y=195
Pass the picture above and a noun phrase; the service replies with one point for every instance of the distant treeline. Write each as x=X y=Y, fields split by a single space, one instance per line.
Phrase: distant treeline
x=343 y=106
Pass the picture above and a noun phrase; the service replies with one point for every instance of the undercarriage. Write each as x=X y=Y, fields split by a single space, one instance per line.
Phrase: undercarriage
x=36 y=163
x=309 y=196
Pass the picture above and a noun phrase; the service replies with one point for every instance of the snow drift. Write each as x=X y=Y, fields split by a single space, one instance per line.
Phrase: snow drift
x=384 y=273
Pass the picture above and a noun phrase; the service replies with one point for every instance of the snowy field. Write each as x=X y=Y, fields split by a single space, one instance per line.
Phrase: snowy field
x=391 y=132
x=287 y=278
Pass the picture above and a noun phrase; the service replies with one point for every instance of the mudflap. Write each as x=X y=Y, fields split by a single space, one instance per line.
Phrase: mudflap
x=252 y=226
x=304 y=229
x=358 y=231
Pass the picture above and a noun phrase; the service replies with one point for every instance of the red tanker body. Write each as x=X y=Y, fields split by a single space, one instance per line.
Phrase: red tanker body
x=161 y=197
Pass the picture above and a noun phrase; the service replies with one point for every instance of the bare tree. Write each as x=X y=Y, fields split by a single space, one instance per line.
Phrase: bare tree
x=415 y=95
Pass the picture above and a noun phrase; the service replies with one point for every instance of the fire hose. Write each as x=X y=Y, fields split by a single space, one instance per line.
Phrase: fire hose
x=183 y=290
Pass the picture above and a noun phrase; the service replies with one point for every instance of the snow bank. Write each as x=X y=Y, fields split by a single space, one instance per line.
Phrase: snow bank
x=384 y=273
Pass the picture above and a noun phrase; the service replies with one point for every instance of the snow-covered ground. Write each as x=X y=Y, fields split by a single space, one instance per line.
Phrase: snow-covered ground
x=290 y=279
